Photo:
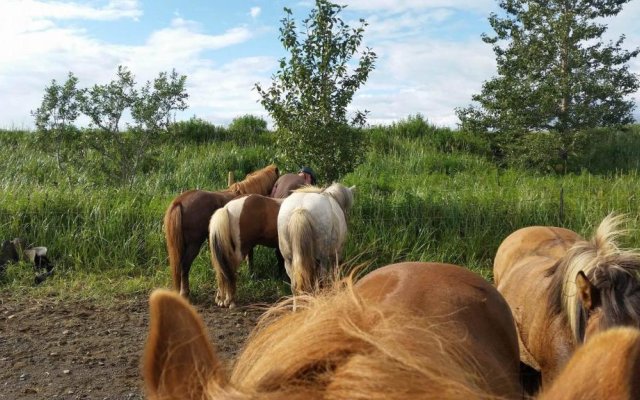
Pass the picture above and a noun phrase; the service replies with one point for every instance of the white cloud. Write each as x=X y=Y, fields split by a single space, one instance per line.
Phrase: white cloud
x=255 y=12
x=427 y=77
x=405 y=5
x=46 y=51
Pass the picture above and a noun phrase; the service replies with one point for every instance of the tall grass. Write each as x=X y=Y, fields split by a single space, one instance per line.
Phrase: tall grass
x=423 y=193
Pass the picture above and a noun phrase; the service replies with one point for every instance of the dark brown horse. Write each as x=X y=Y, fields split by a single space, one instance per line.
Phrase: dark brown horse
x=234 y=230
x=410 y=330
x=186 y=220
x=562 y=289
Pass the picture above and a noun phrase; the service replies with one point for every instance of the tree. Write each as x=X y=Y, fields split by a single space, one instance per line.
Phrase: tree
x=54 y=119
x=115 y=153
x=123 y=153
x=554 y=74
x=310 y=92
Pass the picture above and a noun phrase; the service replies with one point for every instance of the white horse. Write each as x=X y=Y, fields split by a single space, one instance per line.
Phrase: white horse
x=312 y=229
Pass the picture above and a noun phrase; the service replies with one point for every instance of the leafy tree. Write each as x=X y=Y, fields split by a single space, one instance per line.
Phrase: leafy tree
x=54 y=119
x=555 y=74
x=248 y=124
x=124 y=153
x=310 y=92
x=105 y=148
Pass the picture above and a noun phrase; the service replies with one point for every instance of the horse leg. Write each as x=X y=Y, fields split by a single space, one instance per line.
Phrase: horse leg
x=282 y=272
x=190 y=253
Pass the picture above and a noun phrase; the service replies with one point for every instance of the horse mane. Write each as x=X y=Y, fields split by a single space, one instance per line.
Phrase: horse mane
x=341 y=194
x=613 y=271
x=260 y=181
x=309 y=189
x=338 y=346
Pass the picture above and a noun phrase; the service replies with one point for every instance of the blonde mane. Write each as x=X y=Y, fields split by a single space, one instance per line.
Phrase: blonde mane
x=337 y=346
x=605 y=265
x=340 y=193
x=260 y=182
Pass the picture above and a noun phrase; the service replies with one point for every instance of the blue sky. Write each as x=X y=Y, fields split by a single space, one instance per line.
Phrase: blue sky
x=431 y=58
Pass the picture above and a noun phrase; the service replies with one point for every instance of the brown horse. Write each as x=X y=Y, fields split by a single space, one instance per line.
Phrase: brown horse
x=562 y=289
x=410 y=330
x=606 y=367
x=233 y=232
x=187 y=219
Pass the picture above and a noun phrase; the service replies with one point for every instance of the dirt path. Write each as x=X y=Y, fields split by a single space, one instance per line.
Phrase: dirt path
x=50 y=349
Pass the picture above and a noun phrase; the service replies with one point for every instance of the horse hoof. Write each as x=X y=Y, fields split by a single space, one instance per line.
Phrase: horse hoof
x=232 y=305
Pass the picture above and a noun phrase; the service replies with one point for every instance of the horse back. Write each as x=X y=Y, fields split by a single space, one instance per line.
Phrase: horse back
x=257 y=220
x=544 y=242
x=479 y=317
x=197 y=208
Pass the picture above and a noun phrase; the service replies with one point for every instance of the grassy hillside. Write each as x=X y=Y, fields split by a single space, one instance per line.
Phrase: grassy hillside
x=423 y=193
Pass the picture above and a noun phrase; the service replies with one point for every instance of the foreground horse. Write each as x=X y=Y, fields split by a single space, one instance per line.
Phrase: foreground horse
x=410 y=330
x=606 y=367
x=187 y=219
x=233 y=232
x=562 y=289
x=312 y=229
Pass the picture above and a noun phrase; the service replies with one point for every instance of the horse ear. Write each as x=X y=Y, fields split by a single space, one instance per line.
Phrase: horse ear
x=589 y=294
x=352 y=189
x=179 y=361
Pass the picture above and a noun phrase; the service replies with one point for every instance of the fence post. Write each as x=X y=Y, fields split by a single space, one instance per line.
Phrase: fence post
x=231 y=179
x=561 y=205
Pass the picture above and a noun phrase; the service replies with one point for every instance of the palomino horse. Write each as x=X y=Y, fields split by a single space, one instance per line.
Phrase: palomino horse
x=605 y=367
x=409 y=330
x=312 y=228
x=562 y=289
x=233 y=232
x=186 y=220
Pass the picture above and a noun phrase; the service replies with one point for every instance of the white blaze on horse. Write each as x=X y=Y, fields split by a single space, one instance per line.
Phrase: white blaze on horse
x=312 y=229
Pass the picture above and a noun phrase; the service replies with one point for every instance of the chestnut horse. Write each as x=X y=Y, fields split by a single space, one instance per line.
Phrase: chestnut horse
x=605 y=367
x=312 y=228
x=562 y=289
x=186 y=220
x=233 y=232
x=409 y=330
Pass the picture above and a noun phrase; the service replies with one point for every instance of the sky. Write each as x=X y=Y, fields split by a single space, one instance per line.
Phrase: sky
x=431 y=58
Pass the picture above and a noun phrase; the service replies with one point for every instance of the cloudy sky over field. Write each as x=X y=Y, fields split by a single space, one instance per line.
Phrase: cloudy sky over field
x=431 y=58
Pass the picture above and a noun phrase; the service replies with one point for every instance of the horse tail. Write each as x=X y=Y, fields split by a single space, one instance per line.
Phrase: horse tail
x=302 y=250
x=175 y=241
x=222 y=249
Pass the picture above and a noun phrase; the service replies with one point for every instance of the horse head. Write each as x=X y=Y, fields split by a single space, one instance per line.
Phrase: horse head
x=342 y=195
x=607 y=283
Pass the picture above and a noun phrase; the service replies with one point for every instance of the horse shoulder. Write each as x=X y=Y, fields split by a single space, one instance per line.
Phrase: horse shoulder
x=179 y=362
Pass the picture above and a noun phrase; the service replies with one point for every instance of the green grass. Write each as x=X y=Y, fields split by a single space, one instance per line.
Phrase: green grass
x=423 y=193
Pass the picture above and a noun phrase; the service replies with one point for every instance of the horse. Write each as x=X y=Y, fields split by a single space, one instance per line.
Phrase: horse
x=562 y=289
x=605 y=367
x=312 y=228
x=186 y=220
x=233 y=232
x=407 y=330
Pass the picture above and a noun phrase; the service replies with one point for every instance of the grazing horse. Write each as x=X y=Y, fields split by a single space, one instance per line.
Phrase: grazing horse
x=312 y=228
x=562 y=289
x=186 y=220
x=605 y=367
x=408 y=330
x=233 y=232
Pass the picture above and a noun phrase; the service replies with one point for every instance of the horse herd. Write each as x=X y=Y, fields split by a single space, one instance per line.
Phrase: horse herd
x=562 y=308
